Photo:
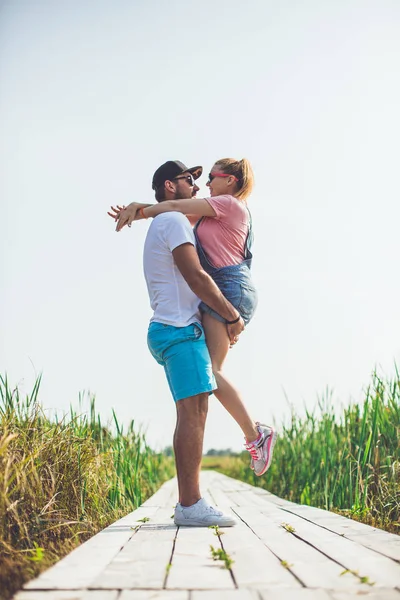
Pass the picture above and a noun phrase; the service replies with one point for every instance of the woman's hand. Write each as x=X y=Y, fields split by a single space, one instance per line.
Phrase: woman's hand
x=116 y=212
x=124 y=215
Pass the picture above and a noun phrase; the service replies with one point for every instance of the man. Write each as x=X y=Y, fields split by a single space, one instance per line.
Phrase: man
x=176 y=283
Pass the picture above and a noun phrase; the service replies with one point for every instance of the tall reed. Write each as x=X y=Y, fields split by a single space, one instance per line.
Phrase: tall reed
x=62 y=480
x=348 y=462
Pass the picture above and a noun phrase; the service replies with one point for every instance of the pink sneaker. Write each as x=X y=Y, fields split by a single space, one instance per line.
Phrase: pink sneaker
x=262 y=450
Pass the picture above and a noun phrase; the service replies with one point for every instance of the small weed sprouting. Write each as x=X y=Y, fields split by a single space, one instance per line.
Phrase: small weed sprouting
x=288 y=527
x=363 y=578
x=217 y=530
x=285 y=564
x=220 y=554
x=144 y=520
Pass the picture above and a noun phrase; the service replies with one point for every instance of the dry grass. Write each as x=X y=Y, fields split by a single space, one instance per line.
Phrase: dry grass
x=62 y=481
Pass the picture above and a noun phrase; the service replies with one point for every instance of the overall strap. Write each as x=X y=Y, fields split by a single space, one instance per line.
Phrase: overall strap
x=249 y=239
x=205 y=263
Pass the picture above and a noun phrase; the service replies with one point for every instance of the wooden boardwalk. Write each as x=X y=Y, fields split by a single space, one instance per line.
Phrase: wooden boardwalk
x=281 y=551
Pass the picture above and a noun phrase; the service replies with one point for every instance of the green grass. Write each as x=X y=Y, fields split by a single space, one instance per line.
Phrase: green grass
x=348 y=463
x=63 y=480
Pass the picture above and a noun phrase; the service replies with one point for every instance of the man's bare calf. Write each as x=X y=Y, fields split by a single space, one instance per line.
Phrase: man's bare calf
x=188 y=446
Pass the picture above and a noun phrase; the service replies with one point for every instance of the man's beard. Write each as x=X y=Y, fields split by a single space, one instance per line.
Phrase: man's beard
x=179 y=195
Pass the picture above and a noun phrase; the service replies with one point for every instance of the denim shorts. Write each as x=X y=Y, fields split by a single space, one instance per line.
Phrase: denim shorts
x=238 y=288
x=183 y=353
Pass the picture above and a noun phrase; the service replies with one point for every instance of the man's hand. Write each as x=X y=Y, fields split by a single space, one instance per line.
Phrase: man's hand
x=188 y=263
x=234 y=331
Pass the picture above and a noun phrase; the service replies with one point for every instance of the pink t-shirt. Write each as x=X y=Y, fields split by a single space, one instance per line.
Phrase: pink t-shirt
x=223 y=237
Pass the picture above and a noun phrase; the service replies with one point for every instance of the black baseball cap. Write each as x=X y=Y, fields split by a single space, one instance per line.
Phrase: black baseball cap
x=170 y=170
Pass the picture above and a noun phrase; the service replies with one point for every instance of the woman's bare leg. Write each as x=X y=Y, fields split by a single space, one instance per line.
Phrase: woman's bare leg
x=218 y=346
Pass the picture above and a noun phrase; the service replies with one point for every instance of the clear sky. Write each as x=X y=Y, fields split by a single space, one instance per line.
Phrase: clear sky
x=95 y=95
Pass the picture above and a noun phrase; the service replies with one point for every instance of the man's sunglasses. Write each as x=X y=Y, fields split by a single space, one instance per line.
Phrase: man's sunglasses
x=189 y=179
x=212 y=175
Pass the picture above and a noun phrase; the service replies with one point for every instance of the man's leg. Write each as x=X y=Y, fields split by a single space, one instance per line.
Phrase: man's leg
x=188 y=446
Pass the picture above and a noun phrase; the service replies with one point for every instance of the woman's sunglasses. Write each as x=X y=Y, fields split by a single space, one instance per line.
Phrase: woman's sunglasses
x=212 y=175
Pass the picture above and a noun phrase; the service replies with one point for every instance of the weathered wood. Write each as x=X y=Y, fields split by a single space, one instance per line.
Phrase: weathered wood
x=168 y=493
x=255 y=565
x=299 y=594
x=382 y=542
x=367 y=563
x=229 y=484
x=312 y=568
x=192 y=564
x=81 y=567
x=142 y=562
x=225 y=595
x=67 y=595
x=155 y=560
x=372 y=595
x=154 y=595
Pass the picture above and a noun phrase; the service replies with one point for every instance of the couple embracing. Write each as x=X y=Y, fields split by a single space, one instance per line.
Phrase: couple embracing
x=197 y=260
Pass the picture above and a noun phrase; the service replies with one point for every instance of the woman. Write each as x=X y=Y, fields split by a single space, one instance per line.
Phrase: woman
x=224 y=237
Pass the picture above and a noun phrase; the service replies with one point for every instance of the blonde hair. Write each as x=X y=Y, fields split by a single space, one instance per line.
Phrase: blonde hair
x=244 y=173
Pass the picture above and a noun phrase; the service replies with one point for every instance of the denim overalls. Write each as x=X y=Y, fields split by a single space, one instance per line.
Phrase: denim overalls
x=234 y=281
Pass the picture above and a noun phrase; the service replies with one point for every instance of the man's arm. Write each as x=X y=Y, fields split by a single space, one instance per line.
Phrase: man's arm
x=187 y=261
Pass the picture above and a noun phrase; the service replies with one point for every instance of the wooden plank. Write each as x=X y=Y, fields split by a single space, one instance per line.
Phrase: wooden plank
x=142 y=562
x=312 y=568
x=298 y=594
x=323 y=544
x=167 y=493
x=390 y=549
x=340 y=523
x=225 y=595
x=382 y=542
x=255 y=565
x=84 y=564
x=379 y=569
x=154 y=595
x=249 y=498
x=372 y=595
x=230 y=484
x=192 y=563
x=220 y=499
x=66 y=595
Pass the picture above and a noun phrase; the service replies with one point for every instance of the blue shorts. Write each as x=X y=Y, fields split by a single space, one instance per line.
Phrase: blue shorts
x=183 y=353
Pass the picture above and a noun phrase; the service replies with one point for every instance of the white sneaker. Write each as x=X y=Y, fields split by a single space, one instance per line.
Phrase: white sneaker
x=201 y=514
x=261 y=454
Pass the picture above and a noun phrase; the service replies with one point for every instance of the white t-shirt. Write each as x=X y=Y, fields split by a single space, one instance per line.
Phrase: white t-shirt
x=171 y=298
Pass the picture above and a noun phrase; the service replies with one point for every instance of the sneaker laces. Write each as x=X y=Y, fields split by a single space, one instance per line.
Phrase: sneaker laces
x=255 y=451
x=255 y=448
x=210 y=509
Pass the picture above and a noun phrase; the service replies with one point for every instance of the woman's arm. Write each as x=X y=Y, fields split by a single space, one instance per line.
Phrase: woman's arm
x=189 y=206
x=197 y=207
